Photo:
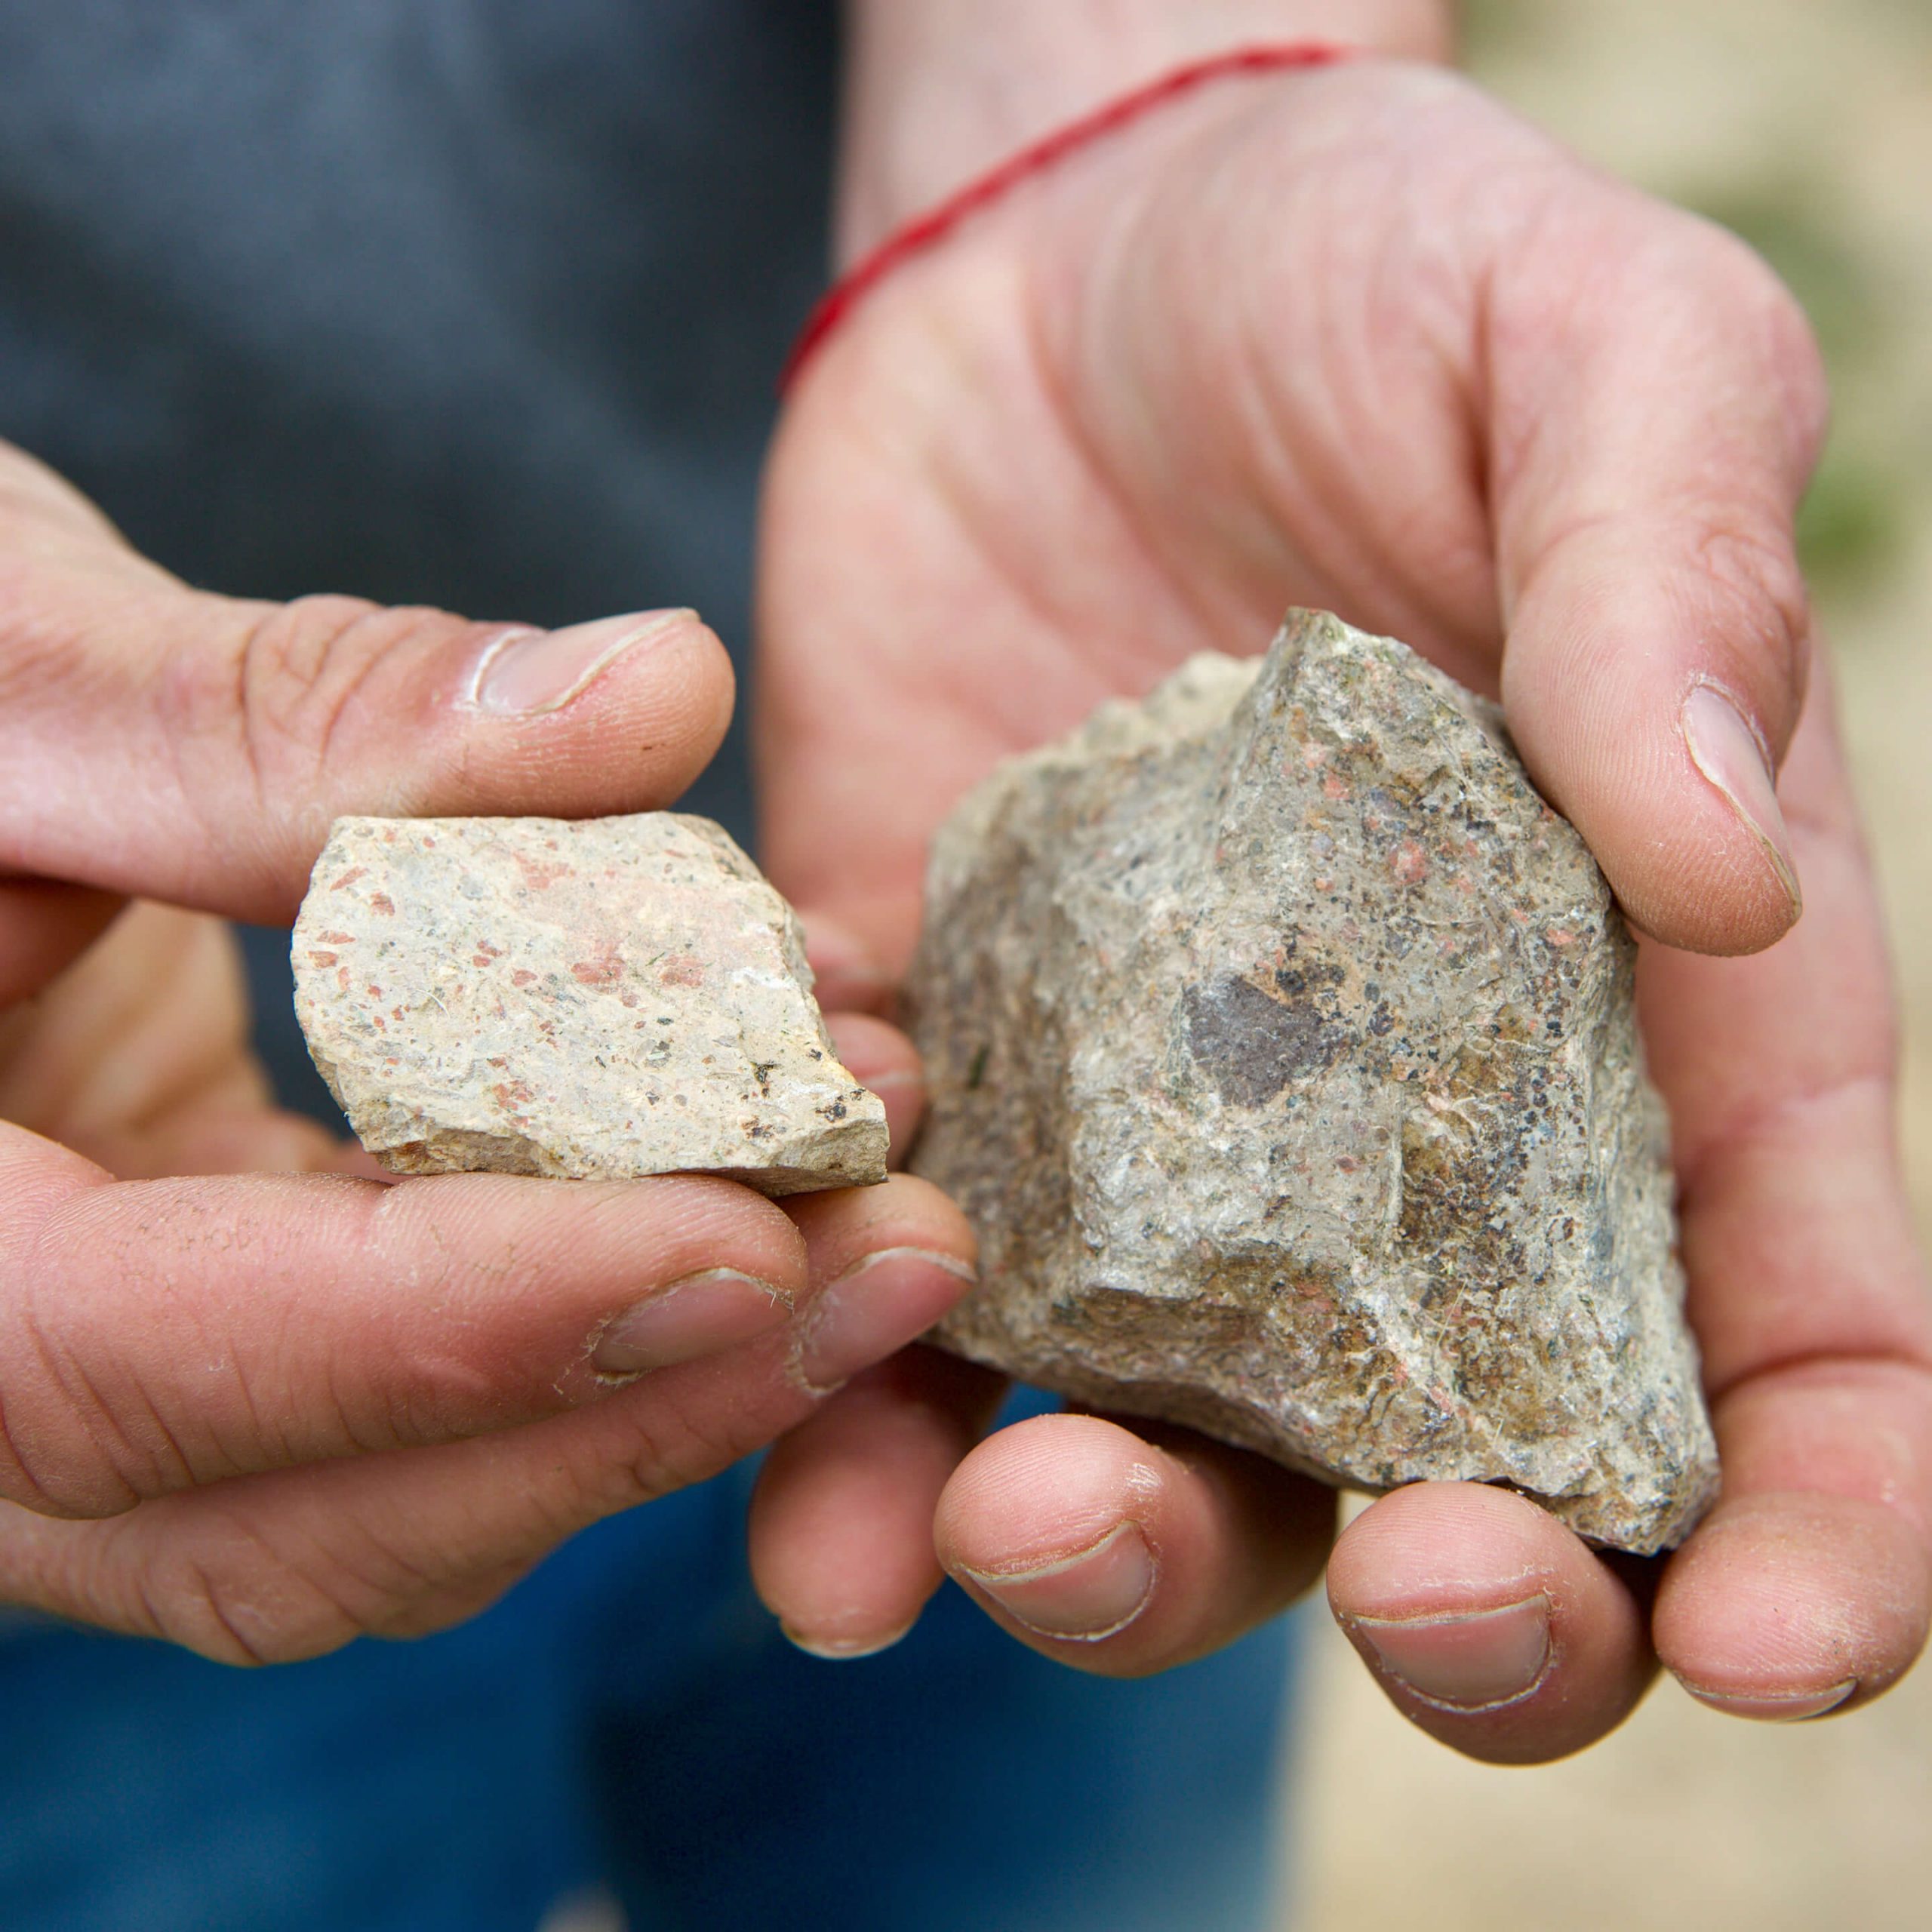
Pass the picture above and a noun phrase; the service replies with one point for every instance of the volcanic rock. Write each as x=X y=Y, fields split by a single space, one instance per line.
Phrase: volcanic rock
x=595 y=999
x=1282 y=1053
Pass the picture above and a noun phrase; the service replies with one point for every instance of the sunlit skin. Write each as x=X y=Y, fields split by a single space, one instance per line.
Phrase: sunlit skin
x=1360 y=339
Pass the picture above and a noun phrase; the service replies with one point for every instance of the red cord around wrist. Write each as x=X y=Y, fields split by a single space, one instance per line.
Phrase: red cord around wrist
x=923 y=231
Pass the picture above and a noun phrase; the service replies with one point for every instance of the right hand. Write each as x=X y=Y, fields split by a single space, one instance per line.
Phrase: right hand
x=1357 y=338
x=260 y=1413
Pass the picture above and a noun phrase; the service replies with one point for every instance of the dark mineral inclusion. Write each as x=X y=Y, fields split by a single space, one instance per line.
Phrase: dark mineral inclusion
x=1282 y=1053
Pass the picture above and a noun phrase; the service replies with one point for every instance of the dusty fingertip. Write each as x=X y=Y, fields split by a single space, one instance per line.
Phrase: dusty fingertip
x=1786 y=1606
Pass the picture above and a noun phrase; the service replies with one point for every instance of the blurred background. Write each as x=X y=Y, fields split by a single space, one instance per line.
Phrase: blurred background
x=1807 y=128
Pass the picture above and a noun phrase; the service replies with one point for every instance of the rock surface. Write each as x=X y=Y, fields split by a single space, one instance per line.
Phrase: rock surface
x=599 y=999
x=1282 y=1054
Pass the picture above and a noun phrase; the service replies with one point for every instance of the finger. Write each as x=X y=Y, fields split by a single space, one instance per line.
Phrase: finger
x=1807 y=1589
x=292 y=1564
x=213 y=1137
x=1656 y=410
x=138 y=1057
x=1487 y=1623
x=1124 y=1553
x=153 y=1016
x=841 y=1530
x=149 y=1327
x=45 y=926
x=157 y=740
x=850 y=977
x=1779 y=1073
x=882 y=1058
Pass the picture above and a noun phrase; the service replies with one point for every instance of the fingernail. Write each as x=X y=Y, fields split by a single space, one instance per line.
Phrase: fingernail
x=1480 y=1661
x=1729 y=752
x=696 y=1316
x=877 y=1305
x=1094 y=1593
x=1773 y=1707
x=529 y=671
x=843 y=1650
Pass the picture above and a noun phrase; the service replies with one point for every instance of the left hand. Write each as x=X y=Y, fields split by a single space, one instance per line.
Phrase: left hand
x=1359 y=339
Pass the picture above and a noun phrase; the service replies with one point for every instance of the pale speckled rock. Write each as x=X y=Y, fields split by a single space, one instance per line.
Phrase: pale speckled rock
x=1283 y=1055
x=593 y=999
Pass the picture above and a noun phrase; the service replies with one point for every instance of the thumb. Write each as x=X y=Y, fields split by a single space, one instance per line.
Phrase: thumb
x=1657 y=406
x=160 y=740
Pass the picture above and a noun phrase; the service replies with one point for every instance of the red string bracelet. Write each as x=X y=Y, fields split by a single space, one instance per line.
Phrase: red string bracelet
x=923 y=231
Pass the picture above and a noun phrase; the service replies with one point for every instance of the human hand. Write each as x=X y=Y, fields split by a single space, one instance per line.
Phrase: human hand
x=261 y=1412
x=1358 y=339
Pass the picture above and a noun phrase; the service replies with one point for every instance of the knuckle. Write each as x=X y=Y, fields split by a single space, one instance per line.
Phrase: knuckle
x=234 y=1598
x=296 y=678
x=38 y=653
x=650 y=1442
x=1749 y=302
x=1752 y=576
x=303 y=668
x=64 y=1450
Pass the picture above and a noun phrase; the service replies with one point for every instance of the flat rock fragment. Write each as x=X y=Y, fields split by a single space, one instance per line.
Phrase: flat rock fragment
x=1282 y=1052
x=597 y=999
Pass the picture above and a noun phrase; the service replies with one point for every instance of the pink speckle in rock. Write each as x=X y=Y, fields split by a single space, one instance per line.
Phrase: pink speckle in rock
x=322 y=959
x=348 y=878
x=1561 y=936
x=338 y=938
x=374 y=992
x=681 y=970
x=380 y=901
x=512 y=1095
x=1335 y=788
x=523 y=977
x=605 y=969
x=539 y=876
x=1409 y=862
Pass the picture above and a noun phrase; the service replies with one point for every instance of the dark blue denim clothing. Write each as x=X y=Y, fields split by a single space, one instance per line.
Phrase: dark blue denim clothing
x=480 y=303
x=631 y=1717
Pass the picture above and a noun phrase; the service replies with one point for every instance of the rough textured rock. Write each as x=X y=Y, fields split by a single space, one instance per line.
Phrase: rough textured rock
x=1283 y=1055
x=596 y=999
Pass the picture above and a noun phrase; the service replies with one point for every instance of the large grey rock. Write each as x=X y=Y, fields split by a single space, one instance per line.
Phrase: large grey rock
x=1282 y=1054
x=593 y=999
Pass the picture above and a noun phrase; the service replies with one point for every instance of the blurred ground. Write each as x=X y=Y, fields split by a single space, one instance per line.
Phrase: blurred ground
x=1808 y=128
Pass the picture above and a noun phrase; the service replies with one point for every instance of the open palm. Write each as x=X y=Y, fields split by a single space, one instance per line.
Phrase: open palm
x=1358 y=339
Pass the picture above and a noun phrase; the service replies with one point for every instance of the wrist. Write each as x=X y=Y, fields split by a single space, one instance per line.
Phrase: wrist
x=938 y=91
